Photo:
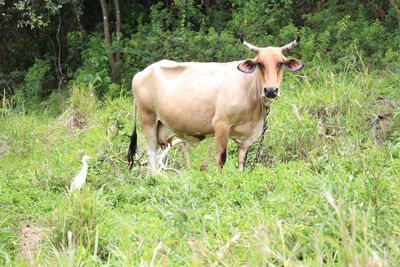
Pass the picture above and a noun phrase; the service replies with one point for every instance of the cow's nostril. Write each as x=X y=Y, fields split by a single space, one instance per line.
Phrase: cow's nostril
x=271 y=92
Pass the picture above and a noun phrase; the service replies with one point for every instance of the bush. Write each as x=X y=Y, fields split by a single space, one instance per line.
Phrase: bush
x=31 y=91
x=95 y=67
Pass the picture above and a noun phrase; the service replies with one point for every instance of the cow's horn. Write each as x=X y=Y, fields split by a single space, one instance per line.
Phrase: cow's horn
x=291 y=45
x=250 y=46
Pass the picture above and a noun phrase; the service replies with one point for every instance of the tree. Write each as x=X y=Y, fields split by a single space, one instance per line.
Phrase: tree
x=107 y=36
x=113 y=58
x=118 y=27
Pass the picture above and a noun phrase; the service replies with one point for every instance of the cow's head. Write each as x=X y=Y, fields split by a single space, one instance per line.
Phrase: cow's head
x=269 y=61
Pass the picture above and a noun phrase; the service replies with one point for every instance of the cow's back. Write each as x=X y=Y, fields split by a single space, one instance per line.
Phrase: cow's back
x=185 y=96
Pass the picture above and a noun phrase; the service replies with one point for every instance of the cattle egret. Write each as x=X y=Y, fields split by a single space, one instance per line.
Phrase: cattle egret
x=193 y=101
x=80 y=179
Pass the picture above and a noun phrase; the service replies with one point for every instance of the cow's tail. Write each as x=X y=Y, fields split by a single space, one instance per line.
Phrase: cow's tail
x=132 y=145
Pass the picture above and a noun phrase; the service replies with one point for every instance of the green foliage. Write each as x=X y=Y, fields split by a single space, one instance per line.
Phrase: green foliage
x=261 y=20
x=30 y=92
x=94 y=68
x=8 y=82
x=30 y=17
x=336 y=31
x=332 y=33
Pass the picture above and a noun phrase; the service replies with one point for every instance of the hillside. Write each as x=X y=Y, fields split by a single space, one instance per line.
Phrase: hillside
x=325 y=191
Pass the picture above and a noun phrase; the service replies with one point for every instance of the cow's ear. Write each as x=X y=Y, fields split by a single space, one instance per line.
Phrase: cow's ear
x=247 y=66
x=293 y=64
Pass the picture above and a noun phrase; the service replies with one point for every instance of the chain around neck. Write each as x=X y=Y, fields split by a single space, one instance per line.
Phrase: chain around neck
x=260 y=143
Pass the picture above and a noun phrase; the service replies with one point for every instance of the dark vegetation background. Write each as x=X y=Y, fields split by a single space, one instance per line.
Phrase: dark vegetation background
x=47 y=45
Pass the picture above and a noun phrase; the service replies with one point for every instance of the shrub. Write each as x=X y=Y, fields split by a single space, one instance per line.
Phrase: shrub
x=95 y=68
x=32 y=90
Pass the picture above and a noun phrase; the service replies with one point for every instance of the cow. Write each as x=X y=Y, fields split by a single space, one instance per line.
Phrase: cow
x=194 y=100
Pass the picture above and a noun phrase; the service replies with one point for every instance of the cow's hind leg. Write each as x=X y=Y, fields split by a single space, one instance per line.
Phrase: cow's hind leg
x=150 y=127
x=221 y=141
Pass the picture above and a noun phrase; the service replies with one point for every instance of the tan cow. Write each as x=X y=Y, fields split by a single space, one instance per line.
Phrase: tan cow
x=194 y=100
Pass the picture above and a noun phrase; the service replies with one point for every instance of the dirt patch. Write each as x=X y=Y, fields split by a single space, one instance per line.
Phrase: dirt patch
x=3 y=144
x=3 y=148
x=385 y=111
x=383 y=122
x=29 y=242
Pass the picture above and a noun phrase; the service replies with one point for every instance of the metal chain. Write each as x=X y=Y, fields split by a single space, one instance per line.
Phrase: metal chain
x=260 y=143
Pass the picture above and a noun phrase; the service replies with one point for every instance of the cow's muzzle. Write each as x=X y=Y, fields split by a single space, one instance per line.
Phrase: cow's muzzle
x=271 y=92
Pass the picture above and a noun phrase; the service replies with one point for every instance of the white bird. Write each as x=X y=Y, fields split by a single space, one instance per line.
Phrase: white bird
x=80 y=179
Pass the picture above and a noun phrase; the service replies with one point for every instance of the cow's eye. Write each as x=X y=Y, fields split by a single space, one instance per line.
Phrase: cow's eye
x=260 y=65
x=280 y=64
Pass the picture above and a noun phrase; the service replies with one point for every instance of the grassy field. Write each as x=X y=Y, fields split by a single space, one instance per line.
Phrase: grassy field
x=326 y=191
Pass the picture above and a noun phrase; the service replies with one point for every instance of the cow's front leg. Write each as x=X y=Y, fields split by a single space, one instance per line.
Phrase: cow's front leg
x=221 y=141
x=242 y=155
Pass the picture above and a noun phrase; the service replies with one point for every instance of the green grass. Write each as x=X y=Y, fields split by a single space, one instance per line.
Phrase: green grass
x=326 y=191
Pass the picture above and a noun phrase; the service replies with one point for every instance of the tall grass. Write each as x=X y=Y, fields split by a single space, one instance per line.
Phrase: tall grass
x=324 y=194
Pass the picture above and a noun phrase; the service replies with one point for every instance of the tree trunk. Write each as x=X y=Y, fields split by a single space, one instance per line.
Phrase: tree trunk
x=207 y=6
x=118 y=27
x=107 y=35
